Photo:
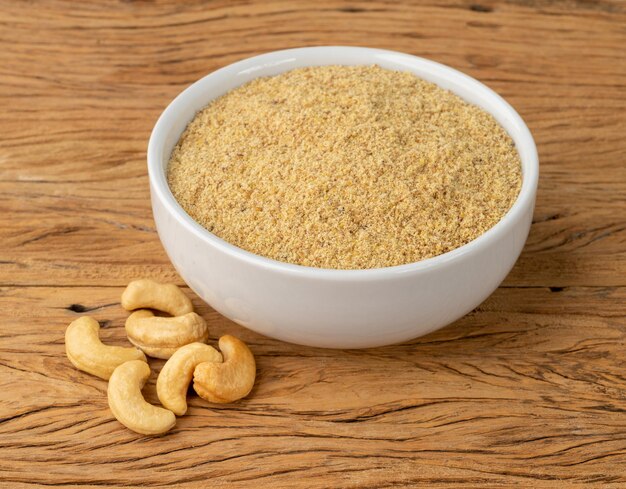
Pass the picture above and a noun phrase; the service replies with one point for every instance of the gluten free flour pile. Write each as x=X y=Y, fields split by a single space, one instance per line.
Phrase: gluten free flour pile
x=346 y=167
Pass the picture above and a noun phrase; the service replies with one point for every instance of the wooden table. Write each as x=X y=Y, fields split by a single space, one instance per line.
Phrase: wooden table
x=529 y=389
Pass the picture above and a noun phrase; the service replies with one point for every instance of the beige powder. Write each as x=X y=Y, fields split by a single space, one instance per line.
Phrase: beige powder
x=345 y=167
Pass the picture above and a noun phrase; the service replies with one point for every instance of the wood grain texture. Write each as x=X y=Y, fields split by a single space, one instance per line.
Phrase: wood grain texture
x=527 y=390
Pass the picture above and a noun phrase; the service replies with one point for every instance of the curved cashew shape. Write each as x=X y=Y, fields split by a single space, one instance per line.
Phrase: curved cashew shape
x=160 y=337
x=228 y=381
x=128 y=405
x=87 y=353
x=148 y=294
x=177 y=372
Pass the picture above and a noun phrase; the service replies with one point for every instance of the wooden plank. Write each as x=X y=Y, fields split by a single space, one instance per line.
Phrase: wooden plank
x=527 y=390
x=578 y=243
x=475 y=401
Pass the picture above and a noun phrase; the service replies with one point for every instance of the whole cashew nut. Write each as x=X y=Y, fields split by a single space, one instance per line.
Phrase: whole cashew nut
x=228 y=381
x=148 y=294
x=87 y=353
x=160 y=337
x=177 y=372
x=128 y=405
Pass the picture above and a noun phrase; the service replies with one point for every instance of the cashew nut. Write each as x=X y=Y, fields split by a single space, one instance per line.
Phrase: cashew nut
x=160 y=337
x=177 y=372
x=148 y=294
x=230 y=380
x=87 y=353
x=129 y=406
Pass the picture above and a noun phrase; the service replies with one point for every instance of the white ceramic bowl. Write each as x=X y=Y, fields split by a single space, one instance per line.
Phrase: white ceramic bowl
x=337 y=308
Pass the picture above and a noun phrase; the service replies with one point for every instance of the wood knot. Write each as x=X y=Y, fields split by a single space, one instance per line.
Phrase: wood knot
x=77 y=308
x=480 y=8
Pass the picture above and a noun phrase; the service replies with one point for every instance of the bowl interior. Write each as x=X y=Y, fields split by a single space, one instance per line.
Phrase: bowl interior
x=179 y=113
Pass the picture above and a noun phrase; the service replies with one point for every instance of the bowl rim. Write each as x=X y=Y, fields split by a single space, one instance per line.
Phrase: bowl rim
x=530 y=173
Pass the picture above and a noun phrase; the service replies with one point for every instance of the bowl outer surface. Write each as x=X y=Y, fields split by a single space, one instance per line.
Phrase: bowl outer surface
x=337 y=308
